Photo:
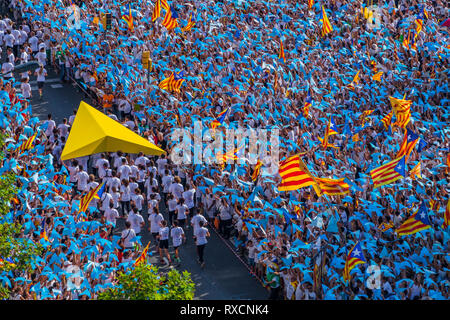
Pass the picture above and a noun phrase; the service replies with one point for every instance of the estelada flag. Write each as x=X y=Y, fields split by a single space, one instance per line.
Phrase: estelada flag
x=388 y=172
x=417 y=222
x=354 y=257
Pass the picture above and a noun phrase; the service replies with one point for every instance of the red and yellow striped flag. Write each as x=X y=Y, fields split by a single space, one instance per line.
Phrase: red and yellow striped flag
x=351 y=85
x=387 y=119
x=281 y=54
x=446 y=216
x=310 y=4
x=142 y=256
x=326 y=25
x=417 y=222
x=257 y=170
x=333 y=187
x=85 y=200
x=354 y=257
x=434 y=205
x=27 y=145
x=165 y=5
x=409 y=141
x=190 y=24
x=416 y=171
x=447 y=170
x=402 y=111
x=172 y=83
x=385 y=226
x=170 y=20
x=386 y=173
x=292 y=176
x=156 y=11
x=377 y=76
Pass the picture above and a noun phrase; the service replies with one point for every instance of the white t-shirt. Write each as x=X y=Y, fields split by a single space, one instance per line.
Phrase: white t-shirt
x=138 y=200
x=82 y=179
x=135 y=220
x=176 y=189
x=196 y=221
x=111 y=215
x=155 y=220
x=50 y=126
x=143 y=160
x=105 y=199
x=177 y=236
x=63 y=129
x=164 y=233
x=200 y=236
x=113 y=182
x=188 y=196
x=166 y=182
x=33 y=41
x=181 y=211
x=161 y=163
x=7 y=67
x=41 y=74
x=26 y=89
x=125 y=193
x=72 y=173
x=127 y=235
x=41 y=58
x=124 y=171
x=152 y=203
x=172 y=204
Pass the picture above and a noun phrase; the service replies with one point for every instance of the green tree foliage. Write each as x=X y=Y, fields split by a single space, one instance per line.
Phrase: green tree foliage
x=13 y=245
x=144 y=282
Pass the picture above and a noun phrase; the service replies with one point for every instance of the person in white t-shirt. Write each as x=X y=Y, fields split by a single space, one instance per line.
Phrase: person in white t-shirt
x=125 y=197
x=161 y=163
x=182 y=212
x=111 y=215
x=82 y=179
x=124 y=170
x=188 y=197
x=136 y=220
x=200 y=240
x=41 y=56
x=100 y=165
x=137 y=199
x=63 y=128
x=166 y=181
x=195 y=221
x=176 y=188
x=163 y=239
x=7 y=69
x=127 y=235
x=154 y=220
x=105 y=200
x=25 y=88
x=41 y=73
x=178 y=237
x=51 y=124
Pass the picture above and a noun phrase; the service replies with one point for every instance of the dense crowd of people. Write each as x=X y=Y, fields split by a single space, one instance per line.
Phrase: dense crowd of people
x=295 y=242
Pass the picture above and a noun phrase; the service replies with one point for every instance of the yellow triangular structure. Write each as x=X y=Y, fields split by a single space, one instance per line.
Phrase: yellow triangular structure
x=94 y=132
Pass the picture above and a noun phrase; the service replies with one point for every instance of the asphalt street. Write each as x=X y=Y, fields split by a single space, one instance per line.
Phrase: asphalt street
x=224 y=276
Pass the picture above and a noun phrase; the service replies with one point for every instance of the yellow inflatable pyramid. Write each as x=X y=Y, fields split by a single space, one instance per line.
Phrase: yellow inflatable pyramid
x=94 y=132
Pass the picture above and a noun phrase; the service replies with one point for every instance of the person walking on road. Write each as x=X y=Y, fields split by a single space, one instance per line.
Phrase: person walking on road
x=163 y=238
x=41 y=73
x=178 y=237
x=200 y=240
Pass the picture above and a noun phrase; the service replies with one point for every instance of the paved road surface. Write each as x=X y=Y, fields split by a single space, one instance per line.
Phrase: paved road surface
x=224 y=276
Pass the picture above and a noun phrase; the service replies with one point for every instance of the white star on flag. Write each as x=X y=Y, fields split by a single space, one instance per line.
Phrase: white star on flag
x=356 y=252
